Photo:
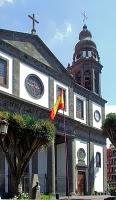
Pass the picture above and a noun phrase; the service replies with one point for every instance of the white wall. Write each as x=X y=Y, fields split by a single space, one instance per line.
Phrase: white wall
x=24 y=72
x=42 y=162
x=10 y=69
x=95 y=123
x=67 y=96
x=98 y=171
x=84 y=106
x=42 y=169
x=81 y=144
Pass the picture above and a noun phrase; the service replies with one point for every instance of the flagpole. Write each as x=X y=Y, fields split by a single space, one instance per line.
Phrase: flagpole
x=67 y=174
x=60 y=105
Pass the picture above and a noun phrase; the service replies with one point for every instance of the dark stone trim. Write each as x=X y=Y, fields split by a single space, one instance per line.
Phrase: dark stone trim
x=74 y=128
x=90 y=147
x=71 y=166
x=71 y=102
x=51 y=92
x=89 y=61
x=35 y=163
x=16 y=77
x=65 y=78
x=51 y=169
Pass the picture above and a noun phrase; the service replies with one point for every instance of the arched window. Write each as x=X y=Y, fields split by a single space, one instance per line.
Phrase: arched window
x=98 y=159
x=96 y=79
x=87 y=80
x=79 y=55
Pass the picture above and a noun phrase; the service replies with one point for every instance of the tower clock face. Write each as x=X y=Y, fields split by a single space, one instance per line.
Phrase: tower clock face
x=34 y=86
x=97 y=116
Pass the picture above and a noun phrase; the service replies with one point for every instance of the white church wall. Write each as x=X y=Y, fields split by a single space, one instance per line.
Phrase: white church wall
x=42 y=169
x=97 y=124
x=25 y=70
x=61 y=168
x=10 y=75
x=81 y=144
x=98 y=171
x=66 y=112
x=84 y=108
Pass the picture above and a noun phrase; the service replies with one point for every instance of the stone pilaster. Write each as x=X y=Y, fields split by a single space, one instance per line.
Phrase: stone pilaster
x=51 y=92
x=71 y=166
x=90 y=167
x=51 y=169
x=35 y=163
x=71 y=103
x=16 y=76
x=2 y=172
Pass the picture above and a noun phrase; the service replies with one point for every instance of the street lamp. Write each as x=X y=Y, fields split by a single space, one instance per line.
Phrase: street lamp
x=3 y=127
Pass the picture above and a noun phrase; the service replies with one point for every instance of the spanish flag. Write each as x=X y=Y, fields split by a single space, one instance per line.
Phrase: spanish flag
x=58 y=105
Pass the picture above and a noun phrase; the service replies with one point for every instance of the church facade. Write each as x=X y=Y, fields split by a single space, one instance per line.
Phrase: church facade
x=30 y=79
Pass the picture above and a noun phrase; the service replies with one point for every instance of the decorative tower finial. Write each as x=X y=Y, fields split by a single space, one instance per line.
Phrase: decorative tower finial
x=84 y=17
x=33 y=31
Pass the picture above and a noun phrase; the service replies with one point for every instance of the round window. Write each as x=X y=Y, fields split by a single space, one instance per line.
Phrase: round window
x=34 y=86
x=97 y=116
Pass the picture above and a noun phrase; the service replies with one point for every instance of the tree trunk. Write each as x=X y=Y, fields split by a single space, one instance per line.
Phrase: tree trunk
x=17 y=185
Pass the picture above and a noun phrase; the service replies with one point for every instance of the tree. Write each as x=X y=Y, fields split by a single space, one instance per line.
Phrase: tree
x=25 y=135
x=109 y=127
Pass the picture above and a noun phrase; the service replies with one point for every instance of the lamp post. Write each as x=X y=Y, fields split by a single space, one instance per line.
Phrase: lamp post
x=3 y=127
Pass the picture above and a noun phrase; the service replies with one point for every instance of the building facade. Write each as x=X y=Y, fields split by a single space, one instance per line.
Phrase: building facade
x=111 y=166
x=30 y=79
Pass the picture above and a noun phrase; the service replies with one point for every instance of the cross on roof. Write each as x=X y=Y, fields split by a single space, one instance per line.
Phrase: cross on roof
x=84 y=17
x=33 y=31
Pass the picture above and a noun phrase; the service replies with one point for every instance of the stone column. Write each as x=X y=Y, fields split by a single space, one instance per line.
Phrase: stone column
x=91 y=167
x=16 y=76
x=71 y=159
x=93 y=80
x=100 y=84
x=6 y=175
x=51 y=169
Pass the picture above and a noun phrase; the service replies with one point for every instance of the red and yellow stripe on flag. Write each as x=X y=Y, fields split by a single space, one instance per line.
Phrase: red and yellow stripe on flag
x=58 y=105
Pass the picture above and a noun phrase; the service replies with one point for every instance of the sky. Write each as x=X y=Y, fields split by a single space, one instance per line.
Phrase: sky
x=60 y=23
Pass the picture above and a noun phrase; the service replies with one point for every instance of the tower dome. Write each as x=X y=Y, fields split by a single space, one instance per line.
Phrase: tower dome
x=85 y=34
x=85 y=48
x=86 y=68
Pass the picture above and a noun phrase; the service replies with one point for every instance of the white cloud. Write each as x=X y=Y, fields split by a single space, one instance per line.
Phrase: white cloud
x=110 y=109
x=61 y=35
x=2 y=2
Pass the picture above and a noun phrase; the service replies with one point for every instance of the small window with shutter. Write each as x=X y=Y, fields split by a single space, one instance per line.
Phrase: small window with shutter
x=3 y=72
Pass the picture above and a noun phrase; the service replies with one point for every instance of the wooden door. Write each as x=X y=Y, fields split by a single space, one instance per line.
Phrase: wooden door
x=81 y=182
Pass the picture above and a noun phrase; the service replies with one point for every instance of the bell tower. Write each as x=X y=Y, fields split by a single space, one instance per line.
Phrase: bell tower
x=86 y=67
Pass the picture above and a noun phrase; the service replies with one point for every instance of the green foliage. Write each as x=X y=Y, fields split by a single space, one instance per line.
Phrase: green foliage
x=44 y=128
x=22 y=196
x=110 y=121
x=109 y=127
x=47 y=197
x=4 y=115
x=112 y=190
x=22 y=124
x=24 y=137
